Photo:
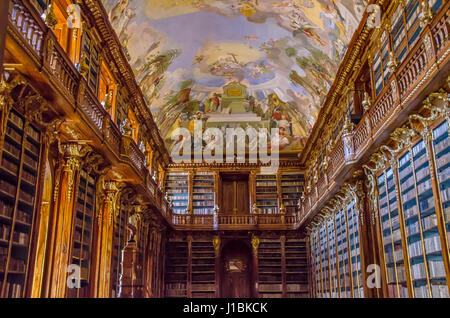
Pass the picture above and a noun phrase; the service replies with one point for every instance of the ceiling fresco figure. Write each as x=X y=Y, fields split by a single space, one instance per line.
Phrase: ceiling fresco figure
x=285 y=55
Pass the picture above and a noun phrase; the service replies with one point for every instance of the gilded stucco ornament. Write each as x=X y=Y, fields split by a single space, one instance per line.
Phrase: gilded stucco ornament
x=6 y=100
x=426 y=14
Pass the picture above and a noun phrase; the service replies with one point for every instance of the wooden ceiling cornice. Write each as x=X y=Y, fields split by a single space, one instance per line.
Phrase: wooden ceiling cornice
x=113 y=50
x=345 y=72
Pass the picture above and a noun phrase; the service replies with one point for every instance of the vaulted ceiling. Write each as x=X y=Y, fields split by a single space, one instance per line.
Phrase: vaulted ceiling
x=285 y=54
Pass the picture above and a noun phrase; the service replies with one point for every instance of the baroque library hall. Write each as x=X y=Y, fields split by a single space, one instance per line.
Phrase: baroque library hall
x=224 y=149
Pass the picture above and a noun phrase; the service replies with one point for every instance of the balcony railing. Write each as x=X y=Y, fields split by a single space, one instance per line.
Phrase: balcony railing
x=235 y=221
x=429 y=54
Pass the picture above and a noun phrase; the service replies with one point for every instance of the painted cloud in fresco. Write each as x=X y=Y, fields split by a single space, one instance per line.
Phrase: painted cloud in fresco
x=286 y=54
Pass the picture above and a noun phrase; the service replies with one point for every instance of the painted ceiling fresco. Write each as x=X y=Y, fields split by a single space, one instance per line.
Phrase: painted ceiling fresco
x=285 y=54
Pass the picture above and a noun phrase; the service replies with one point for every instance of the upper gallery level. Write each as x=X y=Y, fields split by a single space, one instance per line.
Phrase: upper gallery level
x=387 y=73
x=82 y=70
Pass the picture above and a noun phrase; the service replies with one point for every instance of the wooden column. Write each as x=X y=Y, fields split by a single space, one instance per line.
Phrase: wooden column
x=427 y=135
x=39 y=262
x=255 y=245
x=4 y=11
x=406 y=259
x=372 y=218
x=128 y=279
x=283 y=265
x=365 y=242
x=252 y=188
x=149 y=260
x=130 y=283
x=217 y=264
x=189 y=267
x=66 y=177
x=105 y=227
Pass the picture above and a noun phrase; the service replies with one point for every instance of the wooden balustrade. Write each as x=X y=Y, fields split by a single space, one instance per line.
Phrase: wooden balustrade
x=93 y=110
x=233 y=221
x=29 y=26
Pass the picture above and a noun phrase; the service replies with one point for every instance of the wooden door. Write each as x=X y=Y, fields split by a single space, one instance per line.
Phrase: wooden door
x=236 y=271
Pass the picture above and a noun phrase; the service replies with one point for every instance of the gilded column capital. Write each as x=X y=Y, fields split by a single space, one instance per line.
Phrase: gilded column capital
x=71 y=158
x=6 y=100
x=108 y=191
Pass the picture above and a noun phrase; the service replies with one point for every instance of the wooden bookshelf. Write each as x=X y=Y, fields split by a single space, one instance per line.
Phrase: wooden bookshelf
x=203 y=273
x=441 y=147
x=417 y=248
x=203 y=194
x=176 y=269
x=354 y=251
x=342 y=254
x=267 y=193
x=18 y=179
x=296 y=269
x=331 y=234
x=81 y=252
x=292 y=187
x=119 y=241
x=392 y=238
x=270 y=280
x=177 y=187
x=324 y=262
x=422 y=234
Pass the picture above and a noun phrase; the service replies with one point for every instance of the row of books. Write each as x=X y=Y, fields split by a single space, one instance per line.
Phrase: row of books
x=439 y=291
x=269 y=210
x=177 y=191
x=396 y=236
x=6 y=209
x=203 y=197
x=32 y=133
x=180 y=203
x=203 y=190
x=12 y=290
x=177 y=184
x=266 y=189
x=26 y=197
x=32 y=148
x=432 y=244
x=5 y=231
x=293 y=190
x=31 y=162
x=204 y=211
x=436 y=269
x=8 y=187
x=292 y=183
x=12 y=149
x=17 y=265
x=24 y=217
x=13 y=134
x=21 y=238
x=418 y=271
x=29 y=177
x=202 y=203
x=17 y=120
x=10 y=166
x=266 y=177
x=203 y=184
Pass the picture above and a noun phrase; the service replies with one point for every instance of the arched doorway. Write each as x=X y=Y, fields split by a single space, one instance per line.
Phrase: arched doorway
x=236 y=270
